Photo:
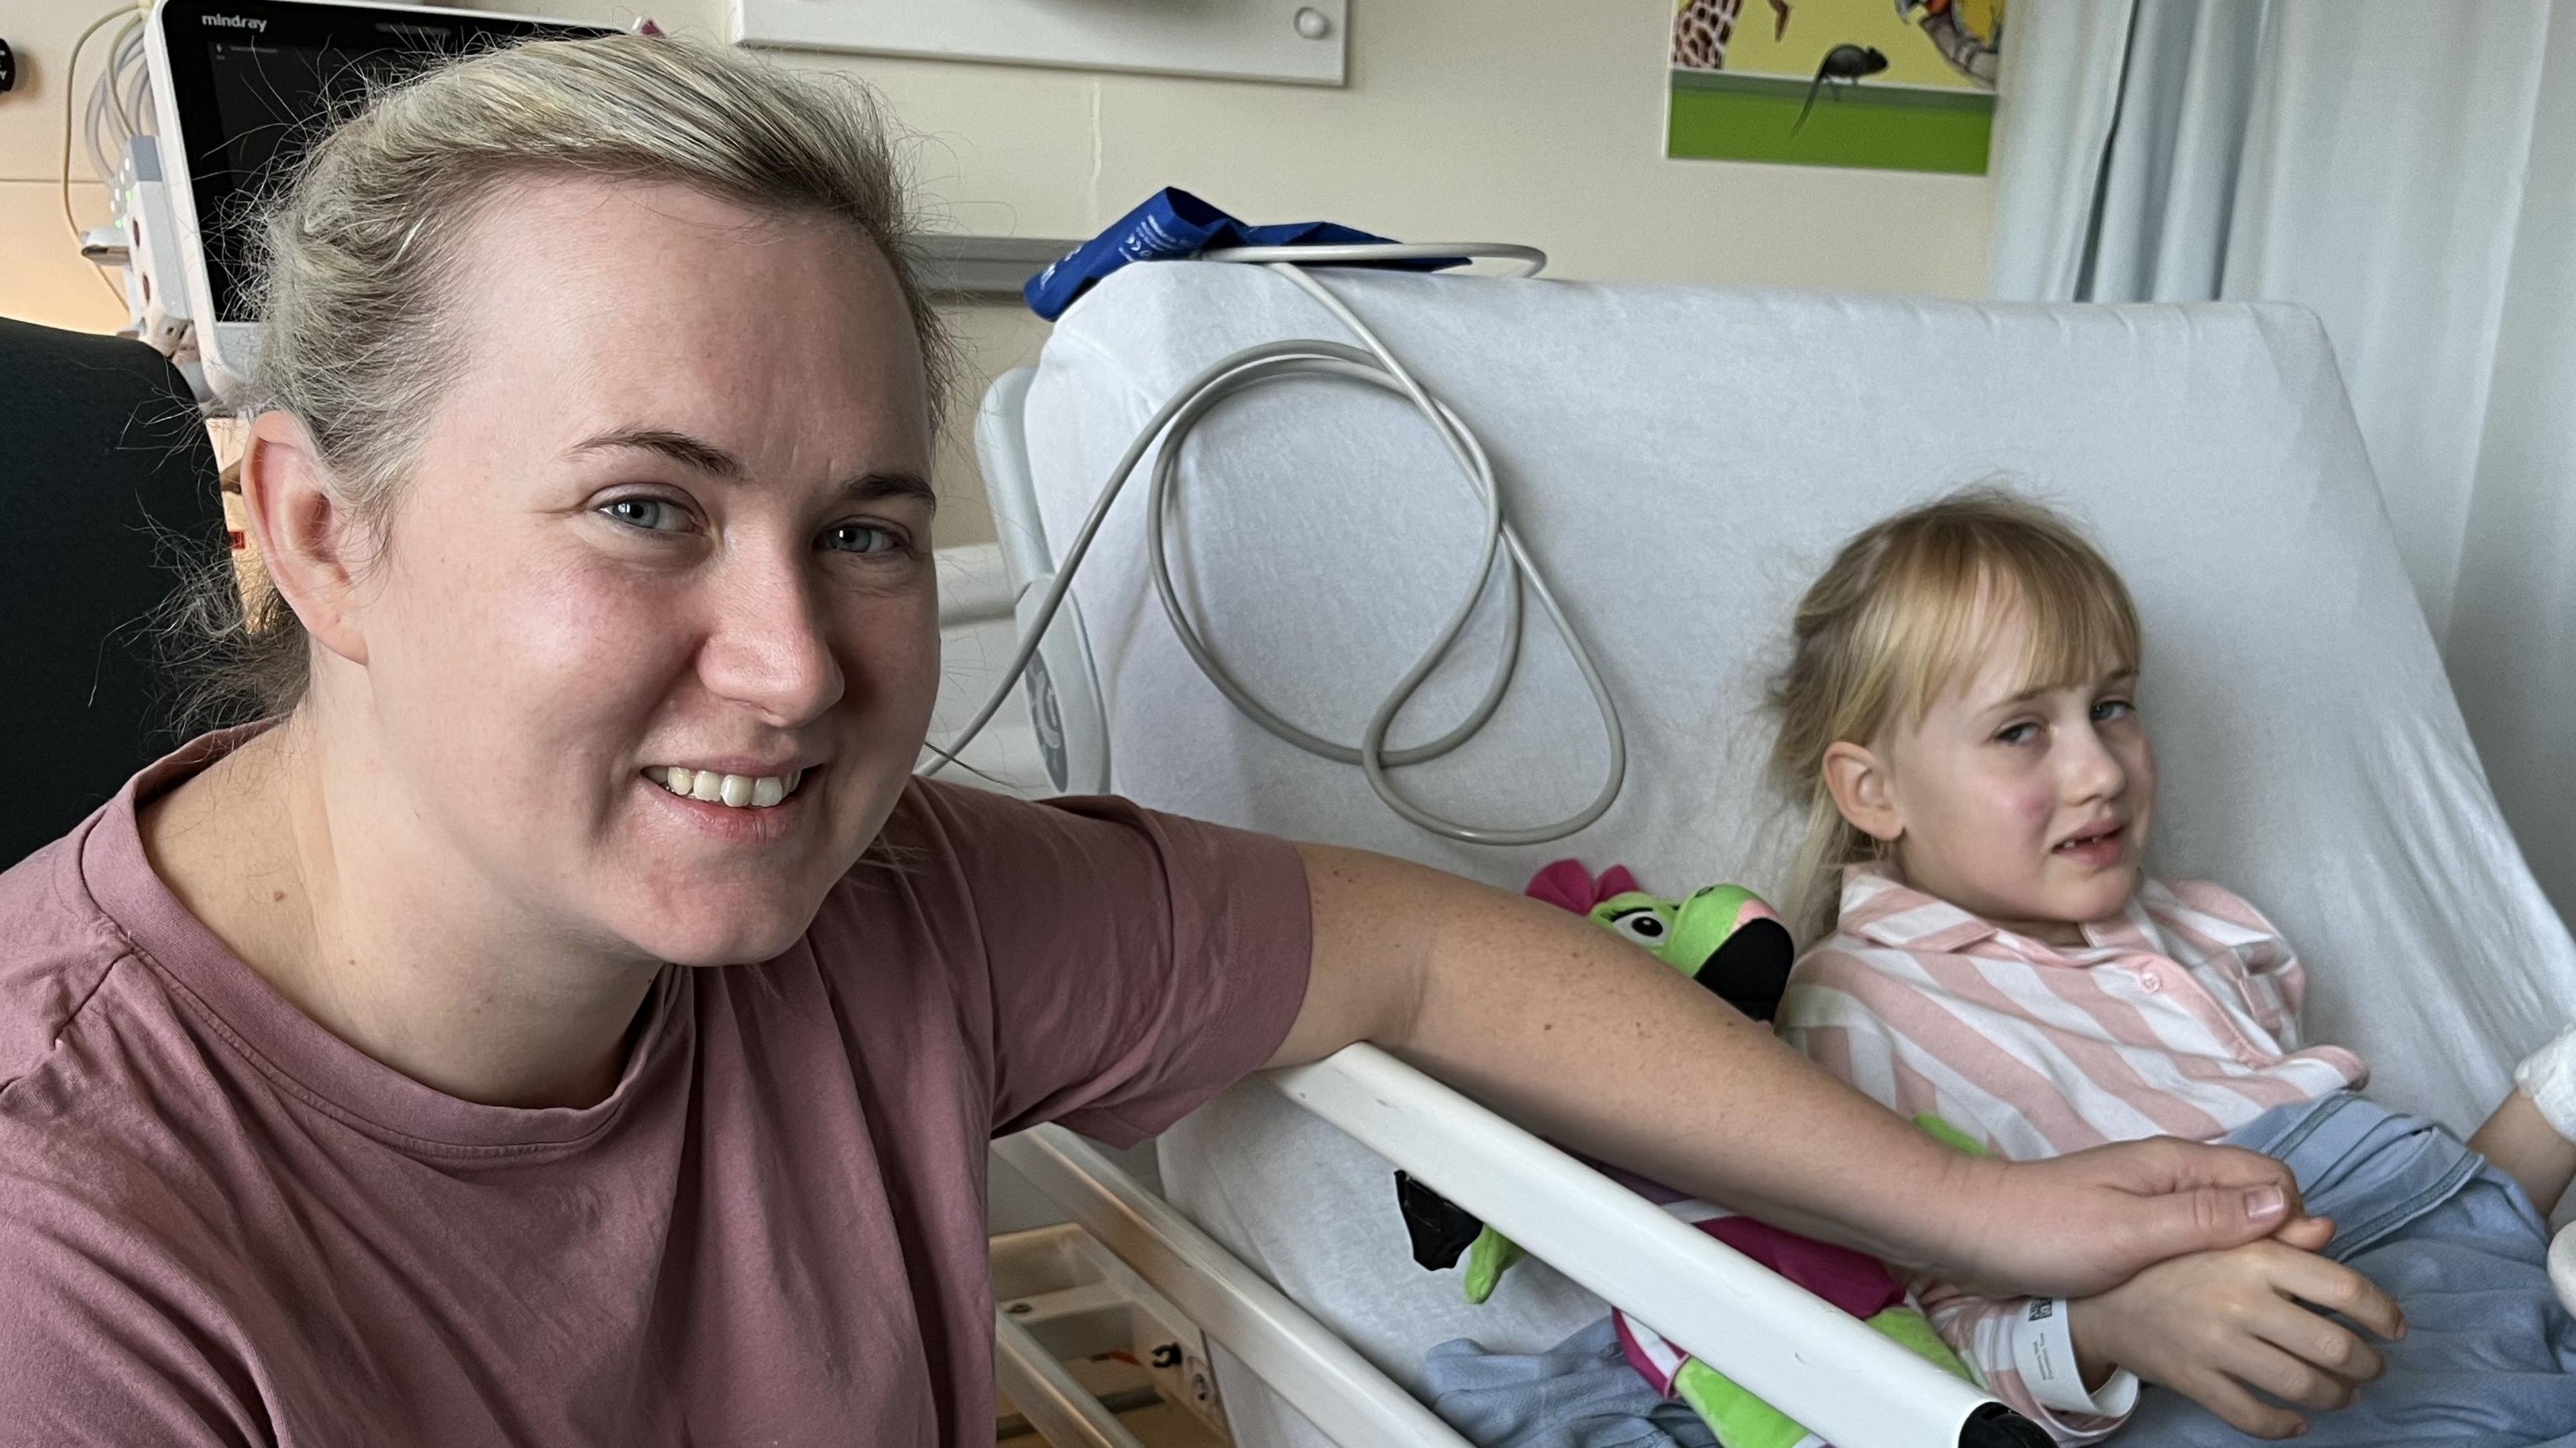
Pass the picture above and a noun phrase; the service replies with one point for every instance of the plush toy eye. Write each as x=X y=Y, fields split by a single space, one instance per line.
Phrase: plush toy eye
x=1641 y=925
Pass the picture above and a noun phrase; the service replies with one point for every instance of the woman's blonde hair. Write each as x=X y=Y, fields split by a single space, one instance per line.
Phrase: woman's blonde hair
x=1909 y=609
x=360 y=255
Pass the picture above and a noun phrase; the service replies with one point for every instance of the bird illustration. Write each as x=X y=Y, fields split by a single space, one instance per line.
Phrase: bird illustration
x=1845 y=63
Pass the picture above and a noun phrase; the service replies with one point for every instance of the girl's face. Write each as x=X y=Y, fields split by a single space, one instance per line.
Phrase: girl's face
x=672 y=514
x=2027 y=807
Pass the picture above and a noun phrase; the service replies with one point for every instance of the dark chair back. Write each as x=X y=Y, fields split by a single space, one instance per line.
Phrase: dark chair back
x=107 y=491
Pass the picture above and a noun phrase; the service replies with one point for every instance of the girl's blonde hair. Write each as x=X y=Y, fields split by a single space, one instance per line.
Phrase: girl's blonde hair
x=1909 y=609
x=361 y=255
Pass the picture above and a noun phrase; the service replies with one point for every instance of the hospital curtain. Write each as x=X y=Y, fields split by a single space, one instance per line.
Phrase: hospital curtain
x=2408 y=171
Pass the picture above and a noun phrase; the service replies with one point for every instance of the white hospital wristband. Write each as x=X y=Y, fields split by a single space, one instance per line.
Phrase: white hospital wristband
x=2548 y=1077
x=2044 y=1349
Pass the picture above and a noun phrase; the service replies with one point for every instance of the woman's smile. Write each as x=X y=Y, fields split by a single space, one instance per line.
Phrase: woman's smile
x=717 y=786
x=734 y=808
x=717 y=818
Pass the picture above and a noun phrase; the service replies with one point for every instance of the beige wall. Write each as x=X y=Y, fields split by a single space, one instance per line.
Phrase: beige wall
x=1523 y=120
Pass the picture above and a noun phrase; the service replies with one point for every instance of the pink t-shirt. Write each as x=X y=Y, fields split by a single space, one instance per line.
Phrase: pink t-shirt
x=220 y=1224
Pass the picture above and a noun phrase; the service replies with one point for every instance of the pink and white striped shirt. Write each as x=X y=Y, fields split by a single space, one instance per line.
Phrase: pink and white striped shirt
x=2178 y=1017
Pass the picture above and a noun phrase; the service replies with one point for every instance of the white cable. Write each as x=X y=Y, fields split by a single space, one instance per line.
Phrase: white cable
x=134 y=80
x=115 y=113
x=1377 y=367
x=71 y=70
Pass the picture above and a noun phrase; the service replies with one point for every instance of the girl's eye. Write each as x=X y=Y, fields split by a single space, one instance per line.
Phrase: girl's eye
x=650 y=514
x=861 y=538
x=2109 y=709
x=2016 y=733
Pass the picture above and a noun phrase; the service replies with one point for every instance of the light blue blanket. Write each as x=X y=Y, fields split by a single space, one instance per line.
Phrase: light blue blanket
x=1580 y=1393
x=2488 y=1353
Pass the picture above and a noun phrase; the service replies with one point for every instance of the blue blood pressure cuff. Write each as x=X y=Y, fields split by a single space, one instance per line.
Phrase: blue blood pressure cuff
x=1173 y=224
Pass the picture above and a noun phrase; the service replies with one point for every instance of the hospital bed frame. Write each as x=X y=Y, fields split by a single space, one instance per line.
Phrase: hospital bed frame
x=1804 y=1356
x=1812 y=1361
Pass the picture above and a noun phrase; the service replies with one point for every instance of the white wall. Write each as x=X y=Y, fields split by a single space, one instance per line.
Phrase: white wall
x=1526 y=120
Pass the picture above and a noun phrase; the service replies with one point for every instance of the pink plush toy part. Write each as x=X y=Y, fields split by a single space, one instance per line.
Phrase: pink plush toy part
x=1570 y=887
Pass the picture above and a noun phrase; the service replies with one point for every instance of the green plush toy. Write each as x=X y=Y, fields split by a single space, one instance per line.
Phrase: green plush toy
x=1728 y=940
x=1725 y=937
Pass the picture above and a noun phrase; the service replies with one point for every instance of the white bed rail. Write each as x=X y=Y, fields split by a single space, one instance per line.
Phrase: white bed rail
x=1799 y=1353
x=1812 y=1361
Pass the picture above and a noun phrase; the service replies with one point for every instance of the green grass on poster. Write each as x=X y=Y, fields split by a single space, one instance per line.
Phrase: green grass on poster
x=1748 y=118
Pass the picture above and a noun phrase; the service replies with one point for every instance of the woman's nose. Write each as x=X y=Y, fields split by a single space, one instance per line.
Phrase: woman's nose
x=767 y=647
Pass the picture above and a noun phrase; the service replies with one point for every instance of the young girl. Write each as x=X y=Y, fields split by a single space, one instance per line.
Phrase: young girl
x=1961 y=715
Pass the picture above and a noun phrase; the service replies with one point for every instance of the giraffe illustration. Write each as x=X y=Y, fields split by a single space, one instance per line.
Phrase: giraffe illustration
x=1700 y=33
x=1703 y=27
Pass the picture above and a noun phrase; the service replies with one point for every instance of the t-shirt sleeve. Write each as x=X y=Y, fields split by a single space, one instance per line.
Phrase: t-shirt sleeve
x=95 y=1348
x=1133 y=963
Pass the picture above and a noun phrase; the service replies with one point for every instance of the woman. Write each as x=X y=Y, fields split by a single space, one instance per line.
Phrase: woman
x=367 y=1074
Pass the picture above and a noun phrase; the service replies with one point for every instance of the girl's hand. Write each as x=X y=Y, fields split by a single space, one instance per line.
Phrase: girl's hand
x=2213 y=1324
x=2088 y=1221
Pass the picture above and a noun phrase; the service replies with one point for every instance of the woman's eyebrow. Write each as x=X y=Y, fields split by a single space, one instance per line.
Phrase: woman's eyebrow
x=696 y=454
x=870 y=487
x=701 y=456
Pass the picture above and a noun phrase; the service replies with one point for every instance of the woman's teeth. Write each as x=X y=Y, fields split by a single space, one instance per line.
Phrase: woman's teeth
x=740 y=791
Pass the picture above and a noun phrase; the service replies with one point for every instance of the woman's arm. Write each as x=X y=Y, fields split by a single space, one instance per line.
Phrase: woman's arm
x=1590 y=1041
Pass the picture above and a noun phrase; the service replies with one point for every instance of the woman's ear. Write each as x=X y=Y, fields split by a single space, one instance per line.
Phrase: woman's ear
x=1859 y=783
x=307 y=538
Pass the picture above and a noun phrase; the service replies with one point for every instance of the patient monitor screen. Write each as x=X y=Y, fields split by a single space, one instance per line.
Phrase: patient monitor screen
x=254 y=85
x=266 y=100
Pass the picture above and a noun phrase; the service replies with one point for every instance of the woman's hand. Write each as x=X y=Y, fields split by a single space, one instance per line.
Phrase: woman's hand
x=2088 y=1221
x=2213 y=1324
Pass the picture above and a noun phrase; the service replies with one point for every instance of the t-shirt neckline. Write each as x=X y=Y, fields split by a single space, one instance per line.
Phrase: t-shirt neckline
x=296 y=1052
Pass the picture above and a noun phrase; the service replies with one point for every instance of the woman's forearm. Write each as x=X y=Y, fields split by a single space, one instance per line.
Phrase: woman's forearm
x=1590 y=1041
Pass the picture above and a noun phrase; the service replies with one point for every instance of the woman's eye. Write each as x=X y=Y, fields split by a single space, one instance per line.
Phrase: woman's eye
x=2109 y=709
x=861 y=538
x=2016 y=733
x=651 y=514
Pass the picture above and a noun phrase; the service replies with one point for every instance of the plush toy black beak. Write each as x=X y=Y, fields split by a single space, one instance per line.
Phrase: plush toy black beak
x=1441 y=1229
x=1750 y=968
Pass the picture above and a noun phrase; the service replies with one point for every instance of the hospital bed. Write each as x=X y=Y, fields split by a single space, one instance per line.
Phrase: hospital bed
x=1682 y=461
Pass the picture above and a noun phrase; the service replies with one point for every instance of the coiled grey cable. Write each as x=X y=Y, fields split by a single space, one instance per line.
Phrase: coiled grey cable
x=1375 y=366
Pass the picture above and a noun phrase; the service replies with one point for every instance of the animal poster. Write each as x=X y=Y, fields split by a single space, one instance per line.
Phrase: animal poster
x=1905 y=85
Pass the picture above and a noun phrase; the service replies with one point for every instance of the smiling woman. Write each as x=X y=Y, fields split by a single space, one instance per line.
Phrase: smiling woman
x=562 y=1018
